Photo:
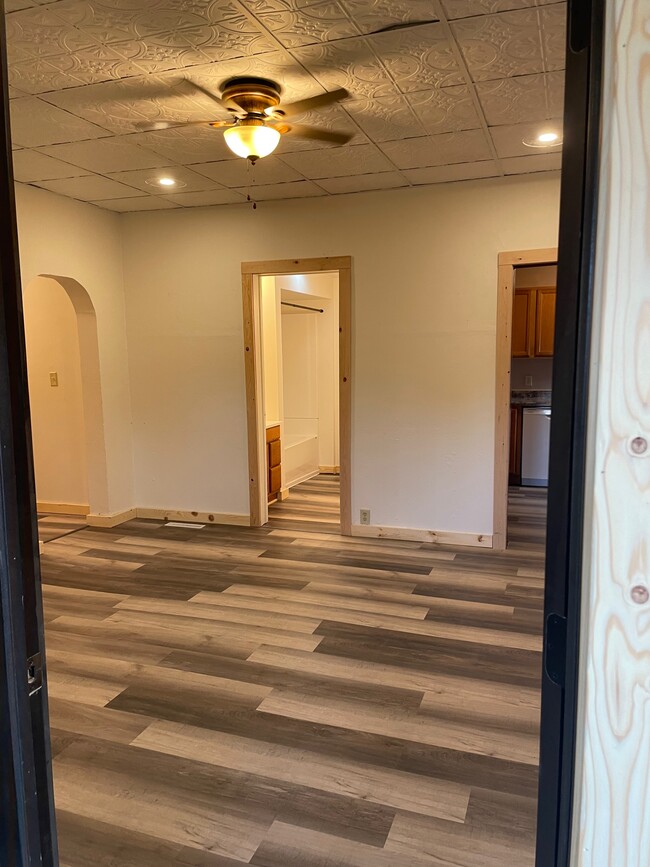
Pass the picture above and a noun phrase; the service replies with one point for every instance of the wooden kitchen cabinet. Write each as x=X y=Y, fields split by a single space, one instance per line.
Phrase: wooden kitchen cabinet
x=273 y=462
x=516 y=424
x=533 y=322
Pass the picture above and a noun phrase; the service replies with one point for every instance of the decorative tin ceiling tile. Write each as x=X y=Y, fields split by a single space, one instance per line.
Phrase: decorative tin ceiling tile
x=227 y=40
x=458 y=172
x=521 y=98
x=324 y=22
x=385 y=118
x=41 y=33
x=350 y=64
x=360 y=183
x=292 y=190
x=497 y=46
x=106 y=155
x=185 y=145
x=35 y=123
x=30 y=166
x=474 y=8
x=37 y=76
x=240 y=173
x=337 y=162
x=418 y=59
x=373 y=15
x=89 y=66
x=533 y=163
x=445 y=109
x=553 y=23
x=89 y=188
x=141 y=203
x=438 y=150
x=263 y=7
x=334 y=118
x=508 y=140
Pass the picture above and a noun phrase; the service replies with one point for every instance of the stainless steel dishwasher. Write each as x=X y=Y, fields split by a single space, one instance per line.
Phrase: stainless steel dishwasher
x=536 y=436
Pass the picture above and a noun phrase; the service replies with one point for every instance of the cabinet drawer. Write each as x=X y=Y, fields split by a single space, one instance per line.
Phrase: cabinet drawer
x=275 y=480
x=273 y=433
x=275 y=453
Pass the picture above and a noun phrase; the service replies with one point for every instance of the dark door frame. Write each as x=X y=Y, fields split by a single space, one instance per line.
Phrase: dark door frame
x=578 y=210
x=27 y=827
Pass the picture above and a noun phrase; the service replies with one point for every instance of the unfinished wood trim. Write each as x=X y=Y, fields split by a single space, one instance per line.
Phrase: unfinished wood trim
x=345 y=397
x=612 y=779
x=507 y=262
x=297 y=266
x=251 y=271
x=192 y=517
x=76 y=509
x=542 y=256
x=112 y=520
x=441 y=537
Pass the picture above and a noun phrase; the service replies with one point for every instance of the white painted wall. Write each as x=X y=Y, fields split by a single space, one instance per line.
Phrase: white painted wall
x=424 y=311
x=58 y=433
x=58 y=236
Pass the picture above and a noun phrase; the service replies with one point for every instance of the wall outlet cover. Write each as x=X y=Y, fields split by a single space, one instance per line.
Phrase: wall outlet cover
x=54 y=380
x=528 y=381
x=364 y=516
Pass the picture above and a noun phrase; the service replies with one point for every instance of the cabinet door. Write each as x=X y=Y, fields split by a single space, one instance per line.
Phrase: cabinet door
x=514 y=475
x=523 y=323
x=545 y=327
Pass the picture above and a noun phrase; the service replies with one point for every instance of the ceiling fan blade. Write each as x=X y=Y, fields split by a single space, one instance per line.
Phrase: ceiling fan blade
x=227 y=104
x=292 y=109
x=313 y=132
x=154 y=126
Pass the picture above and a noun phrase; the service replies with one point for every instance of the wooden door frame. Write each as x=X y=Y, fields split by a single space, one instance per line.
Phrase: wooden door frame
x=507 y=262
x=251 y=272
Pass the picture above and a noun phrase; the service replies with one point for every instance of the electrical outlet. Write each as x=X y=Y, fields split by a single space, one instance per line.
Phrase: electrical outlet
x=528 y=381
x=364 y=516
x=54 y=380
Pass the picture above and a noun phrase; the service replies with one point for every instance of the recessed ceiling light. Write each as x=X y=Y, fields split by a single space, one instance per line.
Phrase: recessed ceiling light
x=547 y=139
x=165 y=181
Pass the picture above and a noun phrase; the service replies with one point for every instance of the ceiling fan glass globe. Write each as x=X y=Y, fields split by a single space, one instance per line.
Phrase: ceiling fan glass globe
x=252 y=142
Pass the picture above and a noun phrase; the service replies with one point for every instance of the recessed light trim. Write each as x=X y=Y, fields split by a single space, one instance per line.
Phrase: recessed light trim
x=165 y=182
x=548 y=138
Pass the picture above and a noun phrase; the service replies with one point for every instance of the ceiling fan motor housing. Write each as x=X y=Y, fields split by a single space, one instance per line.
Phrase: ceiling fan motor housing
x=253 y=95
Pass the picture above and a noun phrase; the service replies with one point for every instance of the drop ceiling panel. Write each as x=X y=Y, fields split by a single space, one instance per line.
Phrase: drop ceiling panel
x=141 y=203
x=439 y=90
x=186 y=180
x=508 y=140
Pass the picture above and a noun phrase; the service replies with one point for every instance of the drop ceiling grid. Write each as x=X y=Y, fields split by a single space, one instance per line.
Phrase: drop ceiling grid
x=292 y=33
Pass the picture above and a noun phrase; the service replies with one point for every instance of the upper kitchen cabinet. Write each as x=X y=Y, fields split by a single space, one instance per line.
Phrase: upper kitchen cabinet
x=533 y=322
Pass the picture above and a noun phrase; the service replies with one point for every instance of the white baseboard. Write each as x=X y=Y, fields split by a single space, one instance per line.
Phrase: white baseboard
x=111 y=520
x=330 y=471
x=77 y=509
x=191 y=517
x=441 y=537
x=301 y=479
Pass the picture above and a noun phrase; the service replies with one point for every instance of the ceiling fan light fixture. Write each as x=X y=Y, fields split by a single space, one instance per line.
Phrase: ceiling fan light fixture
x=252 y=139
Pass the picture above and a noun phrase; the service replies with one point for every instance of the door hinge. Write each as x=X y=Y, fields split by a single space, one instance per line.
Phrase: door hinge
x=35 y=673
x=555 y=649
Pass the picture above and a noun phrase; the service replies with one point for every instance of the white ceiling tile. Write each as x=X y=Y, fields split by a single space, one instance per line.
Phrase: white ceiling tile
x=418 y=58
x=533 y=163
x=35 y=123
x=89 y=188
x=30 y=166
x=445 y=109
x=337 y=162
x=158 y=54
x=373 y=15
x=229 y=40
x=40 y=32
x=240 y=173
x=322 y=22
x=211 y=197
x=359 y=183
x=291 y=190
x=36 y=76
x=106 y=155
x=385 y=118
x=350 y=64
x=522 y=98
x=141 y=203
x=105 y=23
x=509 y=140
x=458 y=172
x=473 y=8
x=15 y=5
x=553 y=22
x=333 y=118
x=437 y=150
x=91 y=65
x=498 y=46
x=144 y=179
x=186 y=145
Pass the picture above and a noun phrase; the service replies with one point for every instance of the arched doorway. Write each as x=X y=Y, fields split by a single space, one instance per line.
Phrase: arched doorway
x=65 y=396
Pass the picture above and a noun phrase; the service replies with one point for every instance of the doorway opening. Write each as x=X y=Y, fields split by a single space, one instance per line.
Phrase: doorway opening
x=298 y=392
x=66 y=404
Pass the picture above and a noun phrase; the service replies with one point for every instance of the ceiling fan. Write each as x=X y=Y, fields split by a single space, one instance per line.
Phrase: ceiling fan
x=259 y=117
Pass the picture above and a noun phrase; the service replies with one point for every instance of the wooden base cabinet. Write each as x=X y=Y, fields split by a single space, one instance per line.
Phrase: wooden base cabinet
x=273 y=461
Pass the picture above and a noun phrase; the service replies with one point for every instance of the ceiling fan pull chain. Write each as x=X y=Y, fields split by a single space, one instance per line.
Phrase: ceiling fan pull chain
x=250 y=172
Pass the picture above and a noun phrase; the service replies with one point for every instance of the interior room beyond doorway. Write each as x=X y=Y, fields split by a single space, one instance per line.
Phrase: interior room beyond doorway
x=299 y=325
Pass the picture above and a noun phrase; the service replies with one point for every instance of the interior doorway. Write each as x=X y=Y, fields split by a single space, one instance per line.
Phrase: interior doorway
x=298 y=389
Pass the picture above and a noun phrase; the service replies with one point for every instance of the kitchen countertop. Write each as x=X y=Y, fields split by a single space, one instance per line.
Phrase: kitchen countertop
x=530 y=397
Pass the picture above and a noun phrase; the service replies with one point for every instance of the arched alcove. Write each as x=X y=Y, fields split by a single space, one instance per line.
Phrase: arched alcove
x=83 y=399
